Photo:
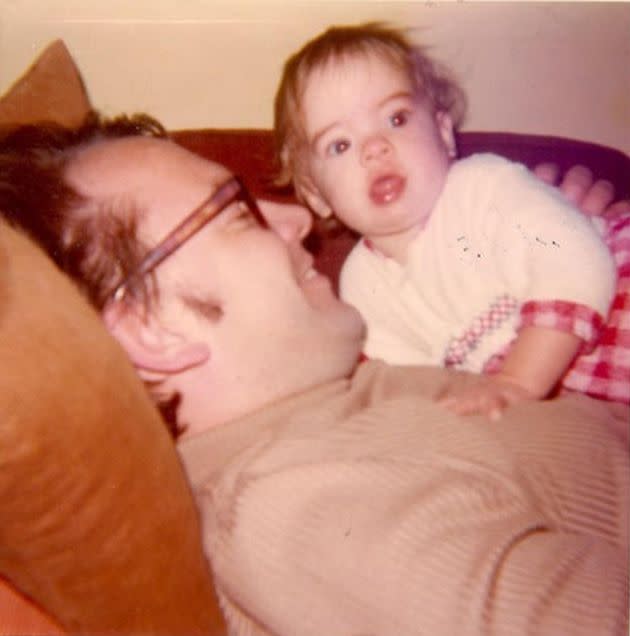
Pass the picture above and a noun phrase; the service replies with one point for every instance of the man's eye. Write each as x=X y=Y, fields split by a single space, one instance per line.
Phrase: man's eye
x=399 y=118
x=240 y=215
x=337 y=147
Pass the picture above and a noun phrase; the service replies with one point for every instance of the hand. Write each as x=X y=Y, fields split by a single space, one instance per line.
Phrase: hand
x=593 y=197
x=484 y=394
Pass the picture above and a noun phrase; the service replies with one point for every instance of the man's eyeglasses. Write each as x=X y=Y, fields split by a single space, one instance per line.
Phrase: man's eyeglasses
x=229 y=192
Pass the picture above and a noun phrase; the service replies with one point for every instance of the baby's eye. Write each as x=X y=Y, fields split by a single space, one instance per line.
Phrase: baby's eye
x=399 y=118
x=337 y=147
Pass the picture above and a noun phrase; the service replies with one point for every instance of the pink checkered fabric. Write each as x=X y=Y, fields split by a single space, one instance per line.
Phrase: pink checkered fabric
x=498 y=312
x=605 y=371
x=561 y=315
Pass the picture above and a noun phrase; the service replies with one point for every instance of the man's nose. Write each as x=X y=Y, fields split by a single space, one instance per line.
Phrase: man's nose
x=374 y=148
x=289 y=221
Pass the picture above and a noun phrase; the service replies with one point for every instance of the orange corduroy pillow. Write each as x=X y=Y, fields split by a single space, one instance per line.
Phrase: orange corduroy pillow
x=99 y=526
x=51 y=89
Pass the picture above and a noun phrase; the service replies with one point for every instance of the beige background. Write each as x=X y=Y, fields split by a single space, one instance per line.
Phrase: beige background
x=552 y=68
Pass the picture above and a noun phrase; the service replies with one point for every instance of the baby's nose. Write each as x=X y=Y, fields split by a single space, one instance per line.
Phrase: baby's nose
x=376 y=147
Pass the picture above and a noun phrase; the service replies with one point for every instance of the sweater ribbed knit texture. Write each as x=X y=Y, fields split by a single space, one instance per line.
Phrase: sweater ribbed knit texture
x=363 y=508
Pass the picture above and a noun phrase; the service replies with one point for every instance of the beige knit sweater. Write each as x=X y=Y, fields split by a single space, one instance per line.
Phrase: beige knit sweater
x=362 y=508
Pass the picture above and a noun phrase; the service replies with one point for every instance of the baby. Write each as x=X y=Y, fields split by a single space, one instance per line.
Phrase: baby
x=473 y=263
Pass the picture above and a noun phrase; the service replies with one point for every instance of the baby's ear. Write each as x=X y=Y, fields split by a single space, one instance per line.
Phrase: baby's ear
x=447 y=132
x=309 y=193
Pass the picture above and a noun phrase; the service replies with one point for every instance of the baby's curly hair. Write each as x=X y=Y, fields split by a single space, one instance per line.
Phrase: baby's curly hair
x=428 y=77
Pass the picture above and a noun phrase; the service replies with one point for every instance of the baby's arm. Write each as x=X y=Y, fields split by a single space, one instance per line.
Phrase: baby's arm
x=537 y=359
x=550 y=335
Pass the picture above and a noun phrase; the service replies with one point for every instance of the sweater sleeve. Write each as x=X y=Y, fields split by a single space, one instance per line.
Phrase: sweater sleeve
x=579 y=320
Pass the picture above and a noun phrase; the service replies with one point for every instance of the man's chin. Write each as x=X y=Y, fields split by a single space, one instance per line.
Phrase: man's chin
x=356 y=333
x=318 y=292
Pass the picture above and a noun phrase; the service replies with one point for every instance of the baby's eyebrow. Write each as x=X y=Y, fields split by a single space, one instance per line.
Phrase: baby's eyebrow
x=399 y=95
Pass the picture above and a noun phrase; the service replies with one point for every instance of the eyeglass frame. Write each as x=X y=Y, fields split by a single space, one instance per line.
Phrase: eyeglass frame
x=210 y=208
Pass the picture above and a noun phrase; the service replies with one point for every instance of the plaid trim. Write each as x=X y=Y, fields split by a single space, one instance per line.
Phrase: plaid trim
x=616 y=233
x=460 y=347
x=561 y=315
x=584 y=322
x=605 y=372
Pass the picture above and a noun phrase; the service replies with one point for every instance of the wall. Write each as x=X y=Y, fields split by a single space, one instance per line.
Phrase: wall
x=555 y=68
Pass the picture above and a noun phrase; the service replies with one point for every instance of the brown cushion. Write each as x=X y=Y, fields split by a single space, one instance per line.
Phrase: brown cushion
x=50 y=90
x=99 y=526
x=20 y=616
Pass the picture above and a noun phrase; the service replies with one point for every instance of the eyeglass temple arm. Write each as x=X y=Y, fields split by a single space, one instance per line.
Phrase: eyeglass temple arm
x=189 y=226
x=182 y=232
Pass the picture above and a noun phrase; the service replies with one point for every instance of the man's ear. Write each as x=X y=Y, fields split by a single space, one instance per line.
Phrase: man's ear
x=311 y=195
x=447 y=132
x=155 y=351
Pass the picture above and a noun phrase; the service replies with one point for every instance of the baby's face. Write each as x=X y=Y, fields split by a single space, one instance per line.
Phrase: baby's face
x=377 y=154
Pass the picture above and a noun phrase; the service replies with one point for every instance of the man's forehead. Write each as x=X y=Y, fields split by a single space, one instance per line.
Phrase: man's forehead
x=132 y=164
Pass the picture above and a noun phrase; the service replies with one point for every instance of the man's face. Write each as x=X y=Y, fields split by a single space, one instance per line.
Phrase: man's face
x=272 y=325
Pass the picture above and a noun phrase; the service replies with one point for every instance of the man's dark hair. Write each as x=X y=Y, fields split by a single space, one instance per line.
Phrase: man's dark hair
x=96 y=250
x=93 y=249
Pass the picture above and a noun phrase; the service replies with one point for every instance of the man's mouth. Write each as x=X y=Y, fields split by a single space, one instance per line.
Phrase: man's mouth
x=309 y=275
x=311 y=272
x=305 y=269
x=311 y=278
x=386 y=189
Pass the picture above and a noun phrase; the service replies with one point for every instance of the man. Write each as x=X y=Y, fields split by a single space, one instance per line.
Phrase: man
x=334 y=500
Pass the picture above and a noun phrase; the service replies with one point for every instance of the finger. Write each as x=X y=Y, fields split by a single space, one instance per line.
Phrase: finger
x=450 y=401
x=460 y=408
x=598 y=197
x=445 y=393
x=467 y=405
x=493 y=406
x=620 y=207
x=441 y=397
x=548 y=172
x=576 y=183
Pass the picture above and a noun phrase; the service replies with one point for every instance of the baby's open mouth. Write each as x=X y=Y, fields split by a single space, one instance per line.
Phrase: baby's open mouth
x=386 y=189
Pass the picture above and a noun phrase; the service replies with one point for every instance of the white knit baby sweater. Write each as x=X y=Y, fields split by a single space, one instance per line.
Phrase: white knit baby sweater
x=497 y=238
